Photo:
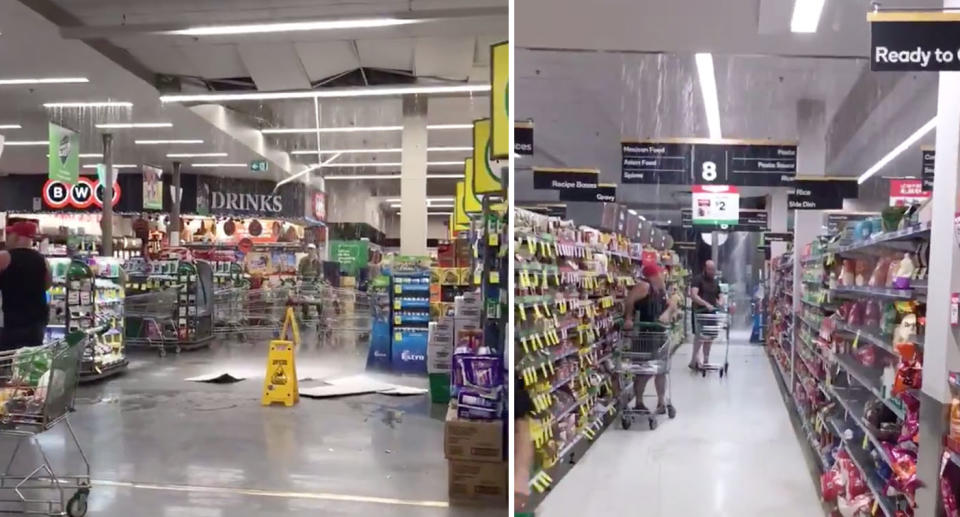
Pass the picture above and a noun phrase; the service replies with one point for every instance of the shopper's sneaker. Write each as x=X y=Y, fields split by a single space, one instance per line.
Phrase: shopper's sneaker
x=661 y=410
x=694 y=367
x=639 y=407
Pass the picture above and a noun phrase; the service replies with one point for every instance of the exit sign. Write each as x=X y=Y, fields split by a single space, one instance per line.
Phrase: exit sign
x=258 y=166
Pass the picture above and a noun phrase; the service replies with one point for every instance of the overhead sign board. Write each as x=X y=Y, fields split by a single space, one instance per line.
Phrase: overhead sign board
x=928 y=160
x=500 y=101
x=63 y=150
x=715 y=204
x=603 y=193
x=702 y=161
x=486 y=172
x=553 y=210
x=259 y=166
x=523 y=138
x=685 y=246
x=565 y=179
x=769 y=237
x=914 y=41
x=837 y=221
x=750 y=220
x=821 y=193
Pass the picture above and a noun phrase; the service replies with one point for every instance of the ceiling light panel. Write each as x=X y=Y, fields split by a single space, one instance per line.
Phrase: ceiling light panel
x=380 y=151
x=359 y=129
x=15 y=143
x=806 y=15
x=708 y=91
x=912 y=139
x=225 y=165
x=266 y=28
x=89 y=104
x=134 y=125
x=196 y=155
x=11 y=126
x=47 y=80
x=331 y=93
x=164 y=142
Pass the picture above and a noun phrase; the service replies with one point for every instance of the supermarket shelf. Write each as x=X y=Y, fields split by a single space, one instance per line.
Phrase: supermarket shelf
x=813 y=326
x=854 y=405
x=889 y=239
x=561 y=383
x=885 y=343
x=818 y=306
x=878 y=292
x=874 y=483
x=811 y=260
x=862 y=376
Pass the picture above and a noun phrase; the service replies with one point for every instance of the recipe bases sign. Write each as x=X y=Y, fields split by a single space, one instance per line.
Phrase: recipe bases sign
x=914 y=41
x=692 y=161
x=715 y=204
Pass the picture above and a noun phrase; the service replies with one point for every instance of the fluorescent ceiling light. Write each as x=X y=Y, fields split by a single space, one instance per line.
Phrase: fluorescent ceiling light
x=806 y=15
x=86 y=155
x=115 y=166
x=133 y=125
x=329 y=93
x=632 y=211
x=445 y=214
x=91 y=104
x=912 y=139
x=429 y=199
x=356 y=129
x=380 y=151
x=196 y=155
x=218 y=165
x=262 y=28
x=708 y=89
x=26 y=142
x=387 y=176
x=48 y=80
x=161 y=142
x=429 y=205
x=11 y=126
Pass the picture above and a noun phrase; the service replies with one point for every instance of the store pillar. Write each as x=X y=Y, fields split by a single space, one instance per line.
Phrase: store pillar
x=175 y=197
x=106 y=219
x=777 y=215
x=413 y=181
x=940 y=352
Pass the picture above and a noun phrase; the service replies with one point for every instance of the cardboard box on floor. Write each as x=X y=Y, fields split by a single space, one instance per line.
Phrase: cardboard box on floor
x=472 y=440
x=477 y=482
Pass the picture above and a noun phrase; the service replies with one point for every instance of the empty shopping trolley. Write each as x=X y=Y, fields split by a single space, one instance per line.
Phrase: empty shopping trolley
x=644 y=353
x=713 y=329
x=150 y=320
x=37 y=389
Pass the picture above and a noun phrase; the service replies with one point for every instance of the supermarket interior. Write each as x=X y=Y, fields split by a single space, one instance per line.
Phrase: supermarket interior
x=753 y=203
x=292 y=304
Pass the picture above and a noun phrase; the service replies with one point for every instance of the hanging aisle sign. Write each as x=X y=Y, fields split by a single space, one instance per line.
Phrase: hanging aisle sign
x=914 y=41
x=769 y=237
x=500 y=101
x=471 y=203
x=715 y=204
x=545 y=178
x=691 y=161
x=523 y=138
x=64 y=154
x=750 y=220
x=461 y=218
x=927 y=166
x=822 y=193
x=486 y=170
x=604 y=193
x=907 y=191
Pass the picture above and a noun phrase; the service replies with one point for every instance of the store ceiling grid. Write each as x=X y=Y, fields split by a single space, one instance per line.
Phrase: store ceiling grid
x=451 y=47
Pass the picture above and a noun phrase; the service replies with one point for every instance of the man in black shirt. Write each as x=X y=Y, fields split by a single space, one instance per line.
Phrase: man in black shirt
x=24 y=281
x=705 y=293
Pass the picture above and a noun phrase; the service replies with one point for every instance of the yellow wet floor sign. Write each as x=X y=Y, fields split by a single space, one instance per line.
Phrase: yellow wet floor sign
x=280 y=384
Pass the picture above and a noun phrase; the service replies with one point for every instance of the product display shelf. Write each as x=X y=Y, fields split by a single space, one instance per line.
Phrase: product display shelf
x=568 y=308
x=892 y=240
x=862 y=462
x=105 y=354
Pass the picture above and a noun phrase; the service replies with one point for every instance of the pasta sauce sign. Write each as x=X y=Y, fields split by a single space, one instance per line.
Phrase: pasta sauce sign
x=83 y=194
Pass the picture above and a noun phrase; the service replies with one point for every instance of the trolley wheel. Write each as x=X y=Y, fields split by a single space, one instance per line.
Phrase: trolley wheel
x=653 y=423
x=77 y=506
x=721 y=372
x=671 y=412
x=726 y=368
x=703 y=373
x=625 y=422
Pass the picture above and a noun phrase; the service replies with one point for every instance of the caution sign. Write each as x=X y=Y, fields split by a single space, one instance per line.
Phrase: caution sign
x=280 y=384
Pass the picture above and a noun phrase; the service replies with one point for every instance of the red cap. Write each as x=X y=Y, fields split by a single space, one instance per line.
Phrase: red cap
x=23 y=229
x=650 y=269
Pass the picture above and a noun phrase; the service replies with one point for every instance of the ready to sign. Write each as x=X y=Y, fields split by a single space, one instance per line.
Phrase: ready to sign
x=82 y=194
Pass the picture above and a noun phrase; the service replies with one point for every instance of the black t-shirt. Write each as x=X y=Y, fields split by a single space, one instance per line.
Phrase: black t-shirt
x=23 y=287
x=709 y=290
x=651 y=307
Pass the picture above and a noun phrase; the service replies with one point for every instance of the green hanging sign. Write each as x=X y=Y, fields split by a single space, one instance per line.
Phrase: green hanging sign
x=64 y=151
x=352 y=255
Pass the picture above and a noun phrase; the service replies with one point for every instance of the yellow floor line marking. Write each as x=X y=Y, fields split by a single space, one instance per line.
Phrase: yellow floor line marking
x=323 y=496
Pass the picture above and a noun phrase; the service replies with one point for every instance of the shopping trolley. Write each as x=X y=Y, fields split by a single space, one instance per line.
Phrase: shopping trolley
x=150 y=320
x=342 y=317
x=715 y=328
x=37 y=389
x=644 y=352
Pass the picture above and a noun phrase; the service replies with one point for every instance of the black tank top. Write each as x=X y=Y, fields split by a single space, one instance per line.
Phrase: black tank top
x=23 y=287
x=649 y=309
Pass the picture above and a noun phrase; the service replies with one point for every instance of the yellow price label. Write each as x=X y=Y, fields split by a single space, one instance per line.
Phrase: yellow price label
x=494 y=277
x=531 y=245
x=876 y=505
x=856 y=340
x=397 y=336
x=397 y=320
x=523 y=312
x=397 y=304
x=397 y=288
x=493 y=240
x=536 y=311
x=866 y=441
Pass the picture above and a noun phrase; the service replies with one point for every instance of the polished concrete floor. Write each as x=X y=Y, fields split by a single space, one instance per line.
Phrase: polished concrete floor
x=731 y=451
x=161 y=446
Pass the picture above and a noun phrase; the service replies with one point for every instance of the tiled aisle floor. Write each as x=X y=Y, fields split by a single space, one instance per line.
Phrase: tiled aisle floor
x=203 y=450
x=730 y=452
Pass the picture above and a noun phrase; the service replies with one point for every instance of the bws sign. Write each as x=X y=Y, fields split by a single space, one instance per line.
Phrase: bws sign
x=83 y=194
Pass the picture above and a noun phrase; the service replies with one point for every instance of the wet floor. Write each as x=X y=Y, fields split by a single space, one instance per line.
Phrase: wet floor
x=162 y=446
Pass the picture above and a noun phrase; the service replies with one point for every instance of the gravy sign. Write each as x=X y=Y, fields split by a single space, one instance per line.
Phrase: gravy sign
x=81 y=195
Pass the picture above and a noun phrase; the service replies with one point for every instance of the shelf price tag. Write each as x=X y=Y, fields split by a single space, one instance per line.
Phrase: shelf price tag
x=856 y=340
x=866 y=441
x=493 y=240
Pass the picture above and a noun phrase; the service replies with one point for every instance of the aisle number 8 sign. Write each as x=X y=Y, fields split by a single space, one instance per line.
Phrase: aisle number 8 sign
x=81 y=195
